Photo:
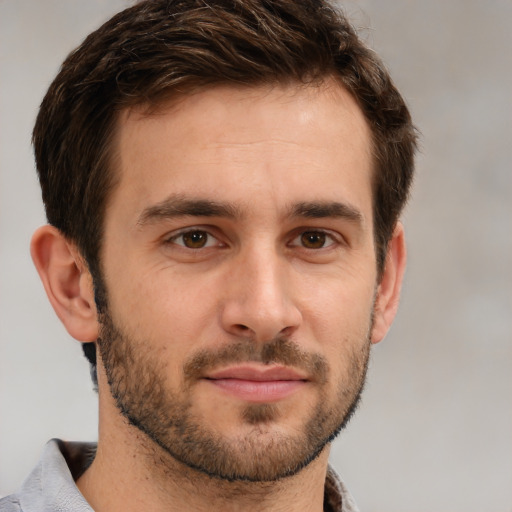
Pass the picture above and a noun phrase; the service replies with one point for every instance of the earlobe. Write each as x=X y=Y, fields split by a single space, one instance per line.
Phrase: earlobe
x=388 y=291
x=67 y=282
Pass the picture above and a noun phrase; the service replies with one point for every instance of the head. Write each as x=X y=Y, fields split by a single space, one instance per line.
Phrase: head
x=162 y=53
x=159 y=49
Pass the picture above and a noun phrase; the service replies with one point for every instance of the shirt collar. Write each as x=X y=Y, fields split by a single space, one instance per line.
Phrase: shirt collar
x=51 y=485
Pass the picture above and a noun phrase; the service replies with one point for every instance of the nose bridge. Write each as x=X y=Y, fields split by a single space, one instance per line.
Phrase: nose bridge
x=266 y=279
x=260 y=302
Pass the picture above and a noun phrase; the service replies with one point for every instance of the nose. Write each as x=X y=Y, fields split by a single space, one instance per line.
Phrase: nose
x=259 y=303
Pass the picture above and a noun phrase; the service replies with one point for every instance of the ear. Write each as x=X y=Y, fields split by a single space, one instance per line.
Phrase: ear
x=388 y=291
x=67 y=282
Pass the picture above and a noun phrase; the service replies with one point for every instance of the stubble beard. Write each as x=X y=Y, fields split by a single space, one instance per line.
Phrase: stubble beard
x=136 y=377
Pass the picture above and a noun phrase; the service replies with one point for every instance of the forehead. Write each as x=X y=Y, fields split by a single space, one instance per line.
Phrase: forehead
x=234 y=142
x=327 y=108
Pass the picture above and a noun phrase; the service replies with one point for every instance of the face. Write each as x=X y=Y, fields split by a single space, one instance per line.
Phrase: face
x=239 y=266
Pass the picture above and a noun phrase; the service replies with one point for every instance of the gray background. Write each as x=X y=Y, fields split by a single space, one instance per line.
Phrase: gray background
x=435 y=429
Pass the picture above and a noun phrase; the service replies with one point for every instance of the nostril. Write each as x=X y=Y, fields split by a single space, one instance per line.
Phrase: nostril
x=287 y=331
x=242 y=327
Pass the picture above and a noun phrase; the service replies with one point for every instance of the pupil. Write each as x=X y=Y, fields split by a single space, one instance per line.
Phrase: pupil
x=313 y=239
x=195 y=240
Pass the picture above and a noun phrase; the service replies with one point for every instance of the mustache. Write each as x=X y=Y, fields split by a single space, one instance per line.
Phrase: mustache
x=277 y=351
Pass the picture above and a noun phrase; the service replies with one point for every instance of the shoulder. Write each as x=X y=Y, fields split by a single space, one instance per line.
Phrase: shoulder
x=337 y=497
x=51 y=486
x=10 y=504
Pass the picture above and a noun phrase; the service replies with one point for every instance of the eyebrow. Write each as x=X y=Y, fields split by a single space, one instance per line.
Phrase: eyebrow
x=178 y=206
x=324 y=209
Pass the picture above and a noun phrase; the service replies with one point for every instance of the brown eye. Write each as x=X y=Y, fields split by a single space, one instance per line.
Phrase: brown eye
x=195 y=239
x=313 y=239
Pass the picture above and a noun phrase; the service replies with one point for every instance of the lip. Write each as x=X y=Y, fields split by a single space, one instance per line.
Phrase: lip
x=257 y=373
x=257 y=384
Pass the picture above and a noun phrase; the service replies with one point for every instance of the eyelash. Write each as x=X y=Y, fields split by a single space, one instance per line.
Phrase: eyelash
x=174 y=238
x=327 y=239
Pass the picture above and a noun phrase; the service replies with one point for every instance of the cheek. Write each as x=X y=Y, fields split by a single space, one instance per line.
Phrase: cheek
x=163 y=308
x=339 y=305
x=339 y=319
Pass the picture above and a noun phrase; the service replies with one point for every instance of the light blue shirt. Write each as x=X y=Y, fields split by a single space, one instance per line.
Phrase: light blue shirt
x=51 y=485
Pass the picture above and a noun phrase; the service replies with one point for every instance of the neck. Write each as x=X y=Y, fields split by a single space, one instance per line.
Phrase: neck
x=134 y=476
x=131 y=473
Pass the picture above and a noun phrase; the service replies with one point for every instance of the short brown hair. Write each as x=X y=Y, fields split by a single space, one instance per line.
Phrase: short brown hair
x=158 y=48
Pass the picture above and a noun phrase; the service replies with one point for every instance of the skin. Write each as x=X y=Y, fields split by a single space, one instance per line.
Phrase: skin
x=262 y=152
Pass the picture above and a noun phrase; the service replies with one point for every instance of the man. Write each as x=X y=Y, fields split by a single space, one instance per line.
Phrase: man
x=223 y=182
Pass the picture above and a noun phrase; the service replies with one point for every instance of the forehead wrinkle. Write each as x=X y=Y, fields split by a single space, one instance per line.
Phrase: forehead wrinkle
x=272 y=141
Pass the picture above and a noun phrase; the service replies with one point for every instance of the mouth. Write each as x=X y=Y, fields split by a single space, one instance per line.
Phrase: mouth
x=257 y=384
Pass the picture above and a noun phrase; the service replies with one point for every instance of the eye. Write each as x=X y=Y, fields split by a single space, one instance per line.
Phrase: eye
x=313 y=239
x=194 y=239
